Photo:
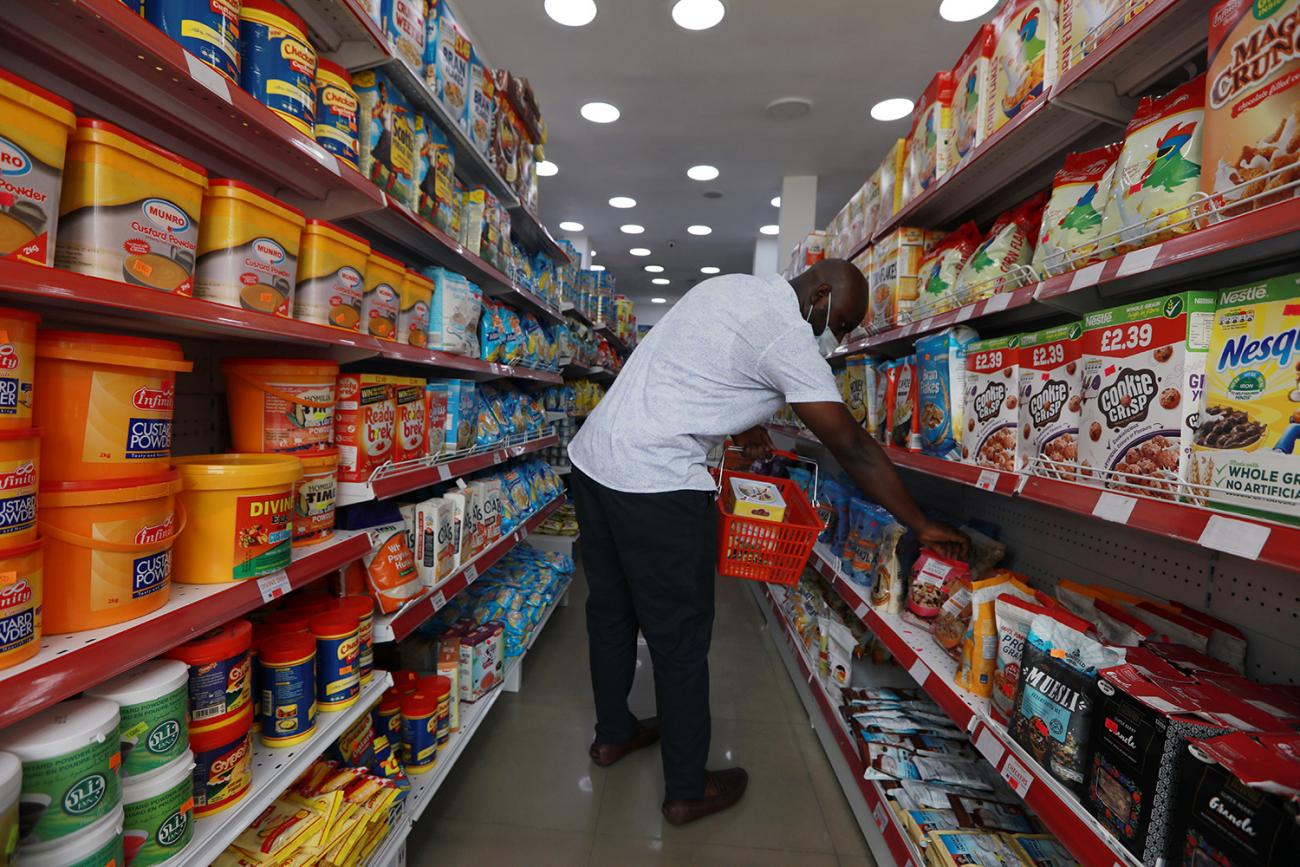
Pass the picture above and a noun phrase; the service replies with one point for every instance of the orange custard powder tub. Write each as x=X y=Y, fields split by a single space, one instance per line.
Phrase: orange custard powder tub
x=314 y=497
x=129 y=210
x=34 y=129
x=383 y=299
x=331 y=276
x=248 y=249
x=417 y=300
x=110 y=549
x=107 y=402
x=17 y=366
x=365 y=424
x=240 y=510
x=19 y=473
x=20 y=602
x=280 y=404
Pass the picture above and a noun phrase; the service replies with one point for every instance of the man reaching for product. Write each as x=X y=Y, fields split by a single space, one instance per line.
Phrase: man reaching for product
x=718 y=364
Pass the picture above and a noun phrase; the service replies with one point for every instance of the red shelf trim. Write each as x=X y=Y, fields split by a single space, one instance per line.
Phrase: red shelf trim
x=391 y=486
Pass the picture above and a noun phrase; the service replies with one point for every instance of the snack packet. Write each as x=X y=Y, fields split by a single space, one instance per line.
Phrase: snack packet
x=979 y=641
x=939 y=270
x=1071 y=224
x=993 y=267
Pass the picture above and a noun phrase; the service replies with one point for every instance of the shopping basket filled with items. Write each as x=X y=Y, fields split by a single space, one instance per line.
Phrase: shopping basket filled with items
x=766 y=524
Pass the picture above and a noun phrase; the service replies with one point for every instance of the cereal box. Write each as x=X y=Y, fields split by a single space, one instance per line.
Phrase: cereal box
x=970 y=100
x=1067 y=236
x=890 y=180
x=1246 y=443
x=447 y=57
x=385 y=133
x=895 y=264
x=1051 y=397
x=992 y=408
x=903 y=421
x=941 y=385
x=1252 y=103
x=482 y=106
x=365 y=424
x=1143 y=375
x=873 y=213
x=930 y=139
x=1085 y=23
x=855 y=230
x=1024 y=62
x=404 y=24
x=410 y=440
x=1157 y=172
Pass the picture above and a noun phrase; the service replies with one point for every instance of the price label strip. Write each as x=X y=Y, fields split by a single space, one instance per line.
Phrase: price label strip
x=273 y=586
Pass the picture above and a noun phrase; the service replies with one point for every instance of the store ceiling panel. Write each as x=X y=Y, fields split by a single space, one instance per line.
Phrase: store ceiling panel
x=693 y=97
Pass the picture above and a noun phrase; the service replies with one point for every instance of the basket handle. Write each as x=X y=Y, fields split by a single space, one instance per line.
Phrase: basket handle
x=81 y=541
x=789 y=455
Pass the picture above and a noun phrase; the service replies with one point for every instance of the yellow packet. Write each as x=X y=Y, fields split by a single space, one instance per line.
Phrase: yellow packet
x=280 y=831
x=979 y=648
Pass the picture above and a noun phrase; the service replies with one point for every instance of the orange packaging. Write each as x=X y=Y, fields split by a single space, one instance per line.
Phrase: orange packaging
x=280 y=404
x=105 y=403
x=314 y=497
x=19 y=475
x=20 y=602
x=17 y=366
x=410 y=440
x=382 y=301
x=417 y=299
x=365 y=424
x=391 y=575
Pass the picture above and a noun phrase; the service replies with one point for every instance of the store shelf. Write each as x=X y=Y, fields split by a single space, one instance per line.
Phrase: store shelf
x=344 y=31
x=75 y=661
x=616 y=343
x=274 y=770
x=933 y=670
x=116 y=65
x=517 y=296
x=569 y=309
x=890 y=843
x=401 y=623
x=393 y=479
x=533 y=232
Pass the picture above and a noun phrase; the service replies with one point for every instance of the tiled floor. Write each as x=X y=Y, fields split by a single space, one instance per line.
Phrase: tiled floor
x=525 y=793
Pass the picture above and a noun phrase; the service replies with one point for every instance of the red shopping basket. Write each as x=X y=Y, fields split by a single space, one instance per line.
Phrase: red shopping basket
x=771 y=551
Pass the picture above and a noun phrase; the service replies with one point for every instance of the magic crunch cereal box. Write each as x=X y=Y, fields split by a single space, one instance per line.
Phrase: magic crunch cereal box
x=1051 y=399
x=1245 y=446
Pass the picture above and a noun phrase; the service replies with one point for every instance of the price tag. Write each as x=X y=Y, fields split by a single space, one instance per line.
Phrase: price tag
x=1017 y=776
x=438 y=601
x=1114 y=507
x=1231 y=536
x=322 y=156
x=207 y=76
x=971 y=723
x=499 y=457
x=471 y=573
x=964 y=313
x=861 y=611
x=444 y=472
x=988 y=480
x=919 y=671
x=1138 y=261
x=989 y=746
x=878 y=813
x=273 y=586
x=997 y=303
x=927 y=324
x=1086 y=276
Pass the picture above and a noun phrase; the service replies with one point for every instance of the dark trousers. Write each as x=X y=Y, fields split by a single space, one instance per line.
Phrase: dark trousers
x=649 y=560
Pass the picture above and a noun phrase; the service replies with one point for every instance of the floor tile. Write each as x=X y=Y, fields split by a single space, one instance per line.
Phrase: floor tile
x=846 y=836
x=646 y=852
x=446 y=844
x=864 y=860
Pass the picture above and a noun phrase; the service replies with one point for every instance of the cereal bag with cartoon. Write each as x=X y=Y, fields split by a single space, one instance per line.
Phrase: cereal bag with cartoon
x=1157 y=172
x=997 y=265
x=970 y=99
x=1024 y=62
x=1085 y=23
x=938 y=272
x=929 y=141
x=1067 y=236
x=1245 y=446
x=1051 y=398
x=992 y=405
x=1143 y=375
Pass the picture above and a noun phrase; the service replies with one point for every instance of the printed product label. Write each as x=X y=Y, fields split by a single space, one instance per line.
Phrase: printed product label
x=209 y=31
x=366 y=652
x=154 y=732
x=336 y=121
x=379 y=309
x=222 y=774
x=409 y=442
x=1050 y=400
x=313 y=509
x=289 y=426
x=365 y=426
x=27 y=225
x=287 y=705
x=17 y=496
x=992 y=404
x=160 y=827
x=453 y=72
x=20 y=609
x=118 y=578
x=129 y=418
x=279 y=70
x=17 y=362
x=389 y=722
x=219 y=688
x=263 y=534
x=420 y=741
x=413 y=323
x=331 y=299
x=18 y=630
x=258 y=275
x=338 y=674
x=66 y=793
x=357 y=743
x=149 y=243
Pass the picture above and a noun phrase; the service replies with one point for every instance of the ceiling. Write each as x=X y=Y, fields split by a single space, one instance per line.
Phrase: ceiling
x=691 y=97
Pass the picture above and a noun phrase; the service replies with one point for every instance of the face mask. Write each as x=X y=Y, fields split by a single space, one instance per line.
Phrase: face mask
x=826 y=343
x=830 y=297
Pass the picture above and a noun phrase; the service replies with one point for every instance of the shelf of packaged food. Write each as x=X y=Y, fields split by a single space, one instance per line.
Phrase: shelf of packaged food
x=616 y=343
x=72 y=662
x=274 y=770
x=462 y=363
x=533 y=232
x=933 y=670
x=518 y=296
x=404 y=621
x=113 y=64
x=393 y=479
x=866 y=798
x=343 y=31
x=570 y=309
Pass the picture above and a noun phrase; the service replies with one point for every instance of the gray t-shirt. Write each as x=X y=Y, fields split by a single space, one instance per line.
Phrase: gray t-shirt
x=723 y=360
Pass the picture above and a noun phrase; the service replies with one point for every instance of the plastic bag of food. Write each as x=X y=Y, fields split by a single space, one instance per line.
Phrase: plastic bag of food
x=935 y=579
x=1071 y=224
x=939 y=270
x=390 y=568
x=978 y=650
x=993 y=267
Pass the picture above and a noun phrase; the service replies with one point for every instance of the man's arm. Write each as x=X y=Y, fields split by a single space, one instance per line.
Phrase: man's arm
x=874 y=474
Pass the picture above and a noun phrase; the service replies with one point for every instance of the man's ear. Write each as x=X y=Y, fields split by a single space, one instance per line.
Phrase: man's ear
x=822 y=290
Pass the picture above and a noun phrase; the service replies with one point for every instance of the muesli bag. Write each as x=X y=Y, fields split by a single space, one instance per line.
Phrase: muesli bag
x=1014 y=615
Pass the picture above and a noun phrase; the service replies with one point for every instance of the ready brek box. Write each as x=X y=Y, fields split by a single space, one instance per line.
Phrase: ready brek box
x=1246 y=445
x=365 y=424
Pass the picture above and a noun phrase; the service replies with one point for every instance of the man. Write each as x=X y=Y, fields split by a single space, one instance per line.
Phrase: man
x=720 y=363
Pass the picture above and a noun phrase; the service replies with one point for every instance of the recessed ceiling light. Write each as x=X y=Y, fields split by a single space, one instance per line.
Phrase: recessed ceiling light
x=571 y=13
x=603 y=112
x=776 y=201
x=591 y=253
x=570 y=226
x=710 y=269
x=701 y=173
x=655 y=269
x=698 y=14
x=770 y=229
x=698 y=230
x=658 y=300
x=964 y=10
x=622 y=202
x=596 y=268
x=789 y=108
x=631 y=229
x=640 y=251
x=661 y=281
x=891 y=109
x=546 y=169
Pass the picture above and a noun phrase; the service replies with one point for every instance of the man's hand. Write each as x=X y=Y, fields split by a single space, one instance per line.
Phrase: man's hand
x=942 y=538
x=755 y=442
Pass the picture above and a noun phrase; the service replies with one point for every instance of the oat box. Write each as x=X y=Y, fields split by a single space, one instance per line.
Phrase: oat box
x=1051 y=397
x=1143 y=374
x=1251 y=143
x=992 y=408
x=1245 y=446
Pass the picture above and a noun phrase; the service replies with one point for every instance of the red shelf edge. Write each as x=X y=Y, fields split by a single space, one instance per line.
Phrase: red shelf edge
x=391 y=486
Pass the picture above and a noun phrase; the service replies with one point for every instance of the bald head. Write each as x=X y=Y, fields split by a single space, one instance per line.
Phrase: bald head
x=832 y=294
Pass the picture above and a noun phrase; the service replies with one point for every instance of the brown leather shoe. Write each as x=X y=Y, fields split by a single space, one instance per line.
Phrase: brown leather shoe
x=723 y=790
x=606 y=754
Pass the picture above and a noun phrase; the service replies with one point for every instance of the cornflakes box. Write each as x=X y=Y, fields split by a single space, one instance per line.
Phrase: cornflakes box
x=1143 y=376
x=873 y=208
x=1024 y=62
x=895 y=264
x=929 y=142
x=890 y=180
x=970 y=97
x=1157 y=171
x=1252 y=103
x=1245 y=447
x=864 y=262
x=1085 y=24
x=992 y=405
x=1067 y=236
x=1051 y=398
x=855 y=229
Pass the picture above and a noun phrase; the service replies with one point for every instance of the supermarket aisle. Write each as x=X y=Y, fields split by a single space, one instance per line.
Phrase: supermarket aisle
x=525 y=792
